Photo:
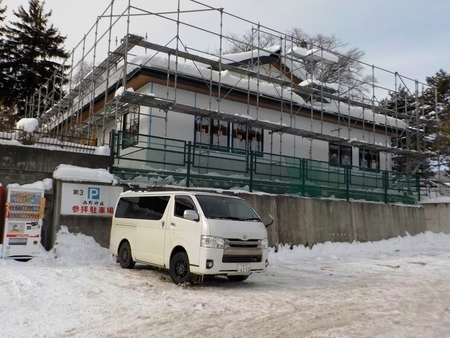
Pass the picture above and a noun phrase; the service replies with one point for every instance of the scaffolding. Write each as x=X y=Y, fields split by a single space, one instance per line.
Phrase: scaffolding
x=97 y=96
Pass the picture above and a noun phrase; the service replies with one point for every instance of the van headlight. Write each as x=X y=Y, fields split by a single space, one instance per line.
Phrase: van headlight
x=264 y=243
x=213 y=242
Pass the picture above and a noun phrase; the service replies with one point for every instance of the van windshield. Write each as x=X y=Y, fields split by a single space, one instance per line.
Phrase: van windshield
x=223 y=207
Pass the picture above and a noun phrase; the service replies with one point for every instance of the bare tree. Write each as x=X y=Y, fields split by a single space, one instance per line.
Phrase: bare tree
x=347 y=72
x=83 y=77
x=249 y=41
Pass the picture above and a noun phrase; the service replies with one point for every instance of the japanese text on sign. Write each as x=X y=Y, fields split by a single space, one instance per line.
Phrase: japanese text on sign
x=82 y=199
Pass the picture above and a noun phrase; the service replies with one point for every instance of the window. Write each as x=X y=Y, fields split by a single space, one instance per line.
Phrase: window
x=255 y=140
x=221 y=134
x=339 y=154
x=369 y=159
x=130 y=126
x=183 y=203
x=144 y=207
x=212 y=132
x=222 y=207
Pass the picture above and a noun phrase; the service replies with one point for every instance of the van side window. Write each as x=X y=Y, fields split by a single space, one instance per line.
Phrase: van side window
x=183 y=203
x=145 y=207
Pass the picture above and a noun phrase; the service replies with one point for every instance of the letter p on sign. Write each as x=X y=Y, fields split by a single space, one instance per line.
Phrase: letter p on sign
x=93 y=193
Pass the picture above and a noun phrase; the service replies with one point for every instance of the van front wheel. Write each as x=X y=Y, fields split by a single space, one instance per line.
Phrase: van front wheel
x=125 y=257
x=179 y=268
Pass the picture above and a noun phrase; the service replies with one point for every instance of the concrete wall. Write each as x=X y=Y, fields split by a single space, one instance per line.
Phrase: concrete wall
x=97 y=227
x=298 y=220
x=437 y=217
x=308 y=221
x=29 y=164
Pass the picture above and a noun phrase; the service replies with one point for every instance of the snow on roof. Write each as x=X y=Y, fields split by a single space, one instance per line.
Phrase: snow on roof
x=298 y=52
x=347 y=110
x=252 y=54
x=196 y=70
x=322 y=56
x=202 y=71
x=316 y=54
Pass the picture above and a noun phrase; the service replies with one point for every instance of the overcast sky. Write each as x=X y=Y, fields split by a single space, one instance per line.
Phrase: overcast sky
x=411 y=37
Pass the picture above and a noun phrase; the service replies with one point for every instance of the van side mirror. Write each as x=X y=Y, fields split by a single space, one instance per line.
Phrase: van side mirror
x=271 y=221
x=191 y=215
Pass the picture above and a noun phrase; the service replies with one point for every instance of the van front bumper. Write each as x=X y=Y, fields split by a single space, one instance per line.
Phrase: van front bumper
x=239 y=262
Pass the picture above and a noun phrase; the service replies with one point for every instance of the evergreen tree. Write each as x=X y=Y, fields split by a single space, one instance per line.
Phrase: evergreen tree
x=6 y=112
x=32 y=48
x=433 y=107
x=3 y=52
x=438 y=97
x=416 y=136
x=2 y=18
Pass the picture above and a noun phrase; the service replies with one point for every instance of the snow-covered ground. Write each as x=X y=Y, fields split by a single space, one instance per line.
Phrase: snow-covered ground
x=392 y=288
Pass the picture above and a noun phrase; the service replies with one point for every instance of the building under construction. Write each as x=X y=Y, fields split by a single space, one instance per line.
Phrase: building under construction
x=173 y=100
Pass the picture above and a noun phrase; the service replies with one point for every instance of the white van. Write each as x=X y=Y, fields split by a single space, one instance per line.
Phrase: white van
x=190 y=234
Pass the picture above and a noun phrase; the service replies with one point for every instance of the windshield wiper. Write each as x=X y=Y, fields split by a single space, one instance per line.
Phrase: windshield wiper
x=252 y=219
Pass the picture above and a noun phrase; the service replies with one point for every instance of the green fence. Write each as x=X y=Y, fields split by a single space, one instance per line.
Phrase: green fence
x=203 y=165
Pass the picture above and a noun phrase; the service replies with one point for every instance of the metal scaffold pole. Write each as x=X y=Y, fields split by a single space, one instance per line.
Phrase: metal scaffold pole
x=316 y=109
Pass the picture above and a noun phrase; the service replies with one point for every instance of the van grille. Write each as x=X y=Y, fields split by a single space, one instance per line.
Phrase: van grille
x=239 y=243
x=242 y=251
x=241 y=259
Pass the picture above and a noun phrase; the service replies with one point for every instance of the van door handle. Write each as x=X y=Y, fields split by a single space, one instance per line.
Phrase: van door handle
x=162 y=224
x=173 y=224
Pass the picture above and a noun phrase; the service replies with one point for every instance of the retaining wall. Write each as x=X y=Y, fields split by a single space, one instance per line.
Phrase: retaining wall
x=297 y=220
x=307 y=221
x=437 y=217
x=300 y=221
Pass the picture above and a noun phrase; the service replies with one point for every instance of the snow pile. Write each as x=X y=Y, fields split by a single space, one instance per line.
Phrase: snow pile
x=46 y=184
x=79 y=174
x=78 y=249
x=70 y=250
x=27 y=124
x=334 y=250
x=102 y=150
x=121 y=91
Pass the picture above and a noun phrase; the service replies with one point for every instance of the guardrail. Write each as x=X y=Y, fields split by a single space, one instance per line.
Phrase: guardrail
x=168 y=160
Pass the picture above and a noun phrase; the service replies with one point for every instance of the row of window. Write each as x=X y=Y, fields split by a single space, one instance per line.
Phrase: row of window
x=230 y=135
x=151 y=207
x=235 y=137
x=342 y=155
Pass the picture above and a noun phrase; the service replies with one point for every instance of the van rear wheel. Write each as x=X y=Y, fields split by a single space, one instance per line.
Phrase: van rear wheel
x=179 y=268
x=125 y=257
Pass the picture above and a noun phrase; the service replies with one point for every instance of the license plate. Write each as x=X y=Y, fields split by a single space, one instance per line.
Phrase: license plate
x=243 y=268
